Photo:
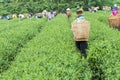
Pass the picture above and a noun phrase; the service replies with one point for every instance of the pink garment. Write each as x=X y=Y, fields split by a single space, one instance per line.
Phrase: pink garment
x=114 y=12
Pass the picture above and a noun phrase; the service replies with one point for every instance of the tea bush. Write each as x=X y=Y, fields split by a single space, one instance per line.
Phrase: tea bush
x=13 y=40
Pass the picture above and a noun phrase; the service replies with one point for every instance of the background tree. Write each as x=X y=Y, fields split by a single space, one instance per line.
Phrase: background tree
x=33 y=6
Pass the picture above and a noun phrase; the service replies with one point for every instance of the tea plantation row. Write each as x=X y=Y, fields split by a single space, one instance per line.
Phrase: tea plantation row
x=12 y=40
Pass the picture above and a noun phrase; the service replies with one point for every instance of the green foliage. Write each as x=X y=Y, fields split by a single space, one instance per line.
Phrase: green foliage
x=63 y=7
x=12 y=40
x=52 y=54
x=33 y=6
x=103 y=48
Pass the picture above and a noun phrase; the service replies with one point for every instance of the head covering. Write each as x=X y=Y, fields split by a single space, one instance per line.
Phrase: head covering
x=79 y=12
x=68 y=9
x=78 y=7
x=44 y=11
x=115 y=5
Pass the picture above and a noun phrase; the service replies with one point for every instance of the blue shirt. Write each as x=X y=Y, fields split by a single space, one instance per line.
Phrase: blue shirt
x=81 y=18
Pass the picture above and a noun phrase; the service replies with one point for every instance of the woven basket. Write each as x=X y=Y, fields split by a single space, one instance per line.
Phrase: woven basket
x=81 y=29
x=114 y=21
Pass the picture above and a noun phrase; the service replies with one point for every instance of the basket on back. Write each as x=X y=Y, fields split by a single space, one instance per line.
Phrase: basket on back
x=114 y=21
x=80 y=30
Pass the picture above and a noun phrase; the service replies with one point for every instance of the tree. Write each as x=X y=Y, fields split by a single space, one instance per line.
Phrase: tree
x=18 y=6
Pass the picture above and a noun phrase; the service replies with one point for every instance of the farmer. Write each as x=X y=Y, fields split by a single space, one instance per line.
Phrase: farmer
x=68 y=13
x=115 y=7
x=80 y=28
x=114 y=12
x=44 y=13
x=50 y=15
x=80 y=15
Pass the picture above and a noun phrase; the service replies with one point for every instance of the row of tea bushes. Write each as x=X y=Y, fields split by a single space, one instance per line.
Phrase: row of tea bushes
x=9 y=24
x=104 y=50
x=99 y=16
x=11 y=41
x=6 y=25
x=51 y=55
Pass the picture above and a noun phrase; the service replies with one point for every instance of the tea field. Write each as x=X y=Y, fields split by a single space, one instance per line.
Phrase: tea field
x=45 y=50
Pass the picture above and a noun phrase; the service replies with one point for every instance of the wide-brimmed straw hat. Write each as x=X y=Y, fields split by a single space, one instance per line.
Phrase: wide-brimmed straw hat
x=79 y=12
